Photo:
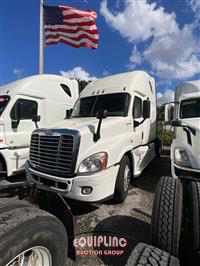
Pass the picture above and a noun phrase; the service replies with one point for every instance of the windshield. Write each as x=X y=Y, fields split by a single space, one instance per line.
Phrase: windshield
x=3 y=102
x=190 y=108
x=116 y=105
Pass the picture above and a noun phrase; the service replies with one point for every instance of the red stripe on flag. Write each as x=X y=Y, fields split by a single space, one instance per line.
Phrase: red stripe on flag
x=72 y=44
x=85 y=36
x=80 y=24
x=71 y=31
x=67 y=16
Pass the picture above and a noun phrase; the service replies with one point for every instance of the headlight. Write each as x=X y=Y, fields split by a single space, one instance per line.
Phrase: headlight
x=181 y=157
x=94 y=163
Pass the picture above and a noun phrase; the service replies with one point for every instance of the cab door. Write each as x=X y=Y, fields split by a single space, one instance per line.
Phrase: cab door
x=19 y=124
x=138 y=127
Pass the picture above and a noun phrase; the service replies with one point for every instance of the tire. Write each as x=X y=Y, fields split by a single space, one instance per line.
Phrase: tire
x=194 y=210
x=167 y=215
x=8 y=204
x=121 y=186
x=146 y=255
x=28 y=228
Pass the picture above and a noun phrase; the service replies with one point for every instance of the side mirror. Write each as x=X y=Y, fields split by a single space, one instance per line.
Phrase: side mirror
x=68 y=113
x=14 y=123
x=146 y=109
x=36 y=118
x=102 y=114
x=16 y=115
x=169 y=112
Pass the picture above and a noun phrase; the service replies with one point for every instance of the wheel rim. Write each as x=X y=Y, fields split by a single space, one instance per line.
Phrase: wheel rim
x=127 y=177
x=35 y=256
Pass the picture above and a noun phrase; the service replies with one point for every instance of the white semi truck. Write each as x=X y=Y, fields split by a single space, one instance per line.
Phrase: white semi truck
x=176 y=208
x=36 y=101
x=185 y=148
x=110 y=137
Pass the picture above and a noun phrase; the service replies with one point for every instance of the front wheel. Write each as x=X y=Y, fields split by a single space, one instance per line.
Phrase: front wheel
x=32 y=237
x=123 y=180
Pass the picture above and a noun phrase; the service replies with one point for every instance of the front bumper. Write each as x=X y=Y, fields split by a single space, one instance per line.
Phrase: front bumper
x=102 y=184
x=184 y=172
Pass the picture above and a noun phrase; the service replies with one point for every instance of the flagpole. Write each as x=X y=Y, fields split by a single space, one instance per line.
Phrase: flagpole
x=41 y=52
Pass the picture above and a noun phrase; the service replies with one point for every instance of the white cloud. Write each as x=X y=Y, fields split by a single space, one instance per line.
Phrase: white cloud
x=77 y=73
x=195 y=6
x=18 y=72
x=135 y=59
x=165 y=97
x=140 y=20
x=173 y=53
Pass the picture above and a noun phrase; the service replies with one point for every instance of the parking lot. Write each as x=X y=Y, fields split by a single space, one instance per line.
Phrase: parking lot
x=130 y=220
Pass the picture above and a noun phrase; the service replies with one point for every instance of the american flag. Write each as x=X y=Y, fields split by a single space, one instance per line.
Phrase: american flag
x=70 y=26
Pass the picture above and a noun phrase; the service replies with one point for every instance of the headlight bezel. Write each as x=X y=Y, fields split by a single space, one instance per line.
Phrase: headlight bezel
x=101 y=156
x=181 y=157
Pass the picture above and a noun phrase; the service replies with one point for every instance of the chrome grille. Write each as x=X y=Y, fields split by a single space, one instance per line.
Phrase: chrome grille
x=53 y=153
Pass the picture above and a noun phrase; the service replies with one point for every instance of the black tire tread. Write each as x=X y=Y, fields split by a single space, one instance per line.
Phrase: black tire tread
x=21 y=227
x=147 y=255
x=119 y=194
x=194 y=200
x=8 y=204
x=167 y=215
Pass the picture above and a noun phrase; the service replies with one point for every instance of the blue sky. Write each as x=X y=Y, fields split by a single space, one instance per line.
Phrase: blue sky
x=161 y=37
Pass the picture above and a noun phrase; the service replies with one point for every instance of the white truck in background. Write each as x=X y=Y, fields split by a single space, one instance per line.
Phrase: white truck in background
x=185 y=148
x=36 y=101
x=109 y=138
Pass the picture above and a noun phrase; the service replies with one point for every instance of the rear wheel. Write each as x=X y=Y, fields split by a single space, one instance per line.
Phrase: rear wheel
x=167 y=215
x=146 y=255
x=123 y=180
x=194 y=217
x=32 y=237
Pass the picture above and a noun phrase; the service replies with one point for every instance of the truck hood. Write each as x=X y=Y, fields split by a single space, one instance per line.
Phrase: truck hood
x=116 y=133
x=88 y=124
x=194 y=123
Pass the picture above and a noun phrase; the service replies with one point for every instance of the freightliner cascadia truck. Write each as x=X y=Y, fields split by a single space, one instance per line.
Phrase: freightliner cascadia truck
x=109 y=138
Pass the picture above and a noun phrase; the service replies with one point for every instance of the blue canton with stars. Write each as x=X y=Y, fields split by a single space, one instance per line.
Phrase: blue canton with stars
x=53 y=15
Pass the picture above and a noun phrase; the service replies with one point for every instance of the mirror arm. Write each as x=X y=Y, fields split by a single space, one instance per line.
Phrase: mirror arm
x=36 y=125
x=192 y=130
x=97 y=135
x=142 y=121
x=139 y=123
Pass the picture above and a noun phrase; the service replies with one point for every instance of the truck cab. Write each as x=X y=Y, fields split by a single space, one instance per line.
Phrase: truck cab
x=185 y=148
x=109 y=138
x=27 y=104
